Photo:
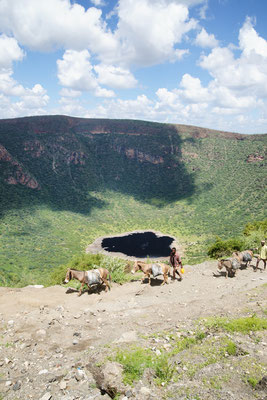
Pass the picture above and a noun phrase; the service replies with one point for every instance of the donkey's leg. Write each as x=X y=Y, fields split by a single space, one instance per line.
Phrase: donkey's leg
x=81 y=288
x=106 y=284
x=165 y=280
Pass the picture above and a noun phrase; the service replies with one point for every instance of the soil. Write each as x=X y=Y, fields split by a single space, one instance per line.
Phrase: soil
x=48 y=334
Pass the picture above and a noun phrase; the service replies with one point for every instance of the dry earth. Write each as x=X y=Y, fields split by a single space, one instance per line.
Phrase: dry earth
x=54 y=344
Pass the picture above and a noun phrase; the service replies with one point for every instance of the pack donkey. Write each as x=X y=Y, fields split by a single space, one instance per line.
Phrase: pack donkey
x=96 y=276
x=155 y=269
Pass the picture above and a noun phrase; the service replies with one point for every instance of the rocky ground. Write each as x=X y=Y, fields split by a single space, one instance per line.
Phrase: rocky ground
x=56 y=345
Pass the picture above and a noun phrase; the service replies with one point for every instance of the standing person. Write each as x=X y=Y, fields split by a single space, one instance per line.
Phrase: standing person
x=262 y=255
x=175 y=261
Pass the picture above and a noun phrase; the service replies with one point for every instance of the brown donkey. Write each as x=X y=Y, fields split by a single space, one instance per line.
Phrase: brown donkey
x=154 y=269
x=89 y=278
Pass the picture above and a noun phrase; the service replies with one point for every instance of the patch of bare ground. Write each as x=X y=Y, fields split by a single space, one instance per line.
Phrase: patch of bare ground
x=56 y=345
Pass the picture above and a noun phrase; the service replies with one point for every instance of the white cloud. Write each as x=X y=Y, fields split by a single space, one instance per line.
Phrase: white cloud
x=76 y=72
x=147 y=32
x=250 y=42
x=115 y=77
x=9 y=51
x=150 y=30
x=45 y=25
x=70 y=93
x=98 y=3
x=204 y=39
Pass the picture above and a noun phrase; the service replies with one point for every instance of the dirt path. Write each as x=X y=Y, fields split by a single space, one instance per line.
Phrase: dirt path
x=53 y=323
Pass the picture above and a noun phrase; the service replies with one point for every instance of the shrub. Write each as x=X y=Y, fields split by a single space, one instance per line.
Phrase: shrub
x=223 y=248
x=259 y=226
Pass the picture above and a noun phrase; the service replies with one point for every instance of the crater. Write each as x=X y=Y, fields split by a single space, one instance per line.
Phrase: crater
x=138 y=244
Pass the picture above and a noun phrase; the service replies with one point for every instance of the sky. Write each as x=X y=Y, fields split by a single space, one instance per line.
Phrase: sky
x=193 y=62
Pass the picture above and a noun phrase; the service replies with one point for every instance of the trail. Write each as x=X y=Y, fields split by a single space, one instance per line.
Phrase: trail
x=43 y=323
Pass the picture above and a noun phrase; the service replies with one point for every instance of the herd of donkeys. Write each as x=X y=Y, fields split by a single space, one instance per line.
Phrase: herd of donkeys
x=101 y=276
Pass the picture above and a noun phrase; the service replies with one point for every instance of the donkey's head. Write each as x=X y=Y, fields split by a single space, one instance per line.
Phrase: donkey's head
x=135 y=267
x=220 y=264
x=68 y=276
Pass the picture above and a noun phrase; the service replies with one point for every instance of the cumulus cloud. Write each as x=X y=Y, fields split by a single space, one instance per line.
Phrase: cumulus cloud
x=53 y=24
x=204 y=39
x=147 y=32
x=150 y=31
x=115 y=77
x=76 y=72
x=9 y=51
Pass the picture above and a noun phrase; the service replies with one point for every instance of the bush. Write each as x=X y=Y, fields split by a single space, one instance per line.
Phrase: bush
x=222 y=248
x=259 y=226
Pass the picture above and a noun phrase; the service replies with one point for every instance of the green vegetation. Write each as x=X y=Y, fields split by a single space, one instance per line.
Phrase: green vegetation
x=136 y=360
x=195 y=352
x=253 y=233
x=244 y=324
x=104 y=177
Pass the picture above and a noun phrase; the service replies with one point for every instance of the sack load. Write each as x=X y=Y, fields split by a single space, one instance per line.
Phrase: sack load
x=235 y=263
x=156 y=270
x=247 y=257
x=93 y=277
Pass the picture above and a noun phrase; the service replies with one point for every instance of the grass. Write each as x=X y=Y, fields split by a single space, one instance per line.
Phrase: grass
x=243 y=324
x=137 y=359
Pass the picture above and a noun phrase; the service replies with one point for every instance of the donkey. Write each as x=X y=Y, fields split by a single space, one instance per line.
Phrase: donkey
x=245 y=257
x=155 y=269
x=230 y=264
x=89 y=278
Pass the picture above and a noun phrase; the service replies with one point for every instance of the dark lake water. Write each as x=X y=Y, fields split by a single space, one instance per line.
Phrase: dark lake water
x=139 y=245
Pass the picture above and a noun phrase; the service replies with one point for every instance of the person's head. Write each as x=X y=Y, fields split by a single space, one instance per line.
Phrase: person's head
x=173 y=250
x=263 y=242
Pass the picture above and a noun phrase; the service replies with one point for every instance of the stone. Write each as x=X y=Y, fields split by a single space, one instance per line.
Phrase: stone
x=17 y=386
x=62 y=385
x=41 y=333
x=109 y=379
x=46 y=396
x=126 y=337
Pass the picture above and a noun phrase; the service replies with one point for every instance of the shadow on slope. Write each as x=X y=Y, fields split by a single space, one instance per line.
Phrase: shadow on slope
x=70 y=158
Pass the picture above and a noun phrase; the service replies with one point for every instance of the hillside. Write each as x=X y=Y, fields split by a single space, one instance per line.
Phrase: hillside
x=65 y=181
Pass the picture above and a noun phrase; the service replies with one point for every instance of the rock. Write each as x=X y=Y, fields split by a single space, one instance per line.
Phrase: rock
x=130 y=336
x=262 y=384
x=17 y=386
x=75 y=341
x=46 y=396
x=41 y=333
x=145 y=391
x=43 y=371
x=109 y=379
x=62 y=385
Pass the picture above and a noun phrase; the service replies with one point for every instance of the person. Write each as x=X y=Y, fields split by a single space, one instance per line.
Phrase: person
x=175 y=261
x=262 y=255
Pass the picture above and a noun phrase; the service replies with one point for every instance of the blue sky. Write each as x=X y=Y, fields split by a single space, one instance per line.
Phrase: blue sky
x=195 y=62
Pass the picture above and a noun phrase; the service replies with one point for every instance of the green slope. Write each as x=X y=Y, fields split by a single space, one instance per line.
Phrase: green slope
x=65 y=181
